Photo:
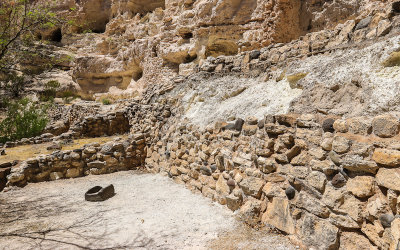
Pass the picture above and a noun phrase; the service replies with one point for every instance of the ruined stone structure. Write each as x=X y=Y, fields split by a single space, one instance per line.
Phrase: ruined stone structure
x=287 y=111
x=329 y=182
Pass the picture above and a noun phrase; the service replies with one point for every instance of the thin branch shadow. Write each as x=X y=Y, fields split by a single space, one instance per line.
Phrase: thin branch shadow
x=79 y=234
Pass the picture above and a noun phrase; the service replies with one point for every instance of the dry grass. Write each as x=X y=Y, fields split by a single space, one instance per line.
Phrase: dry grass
x=293 y=79
x=234 y=93
x=392 y=60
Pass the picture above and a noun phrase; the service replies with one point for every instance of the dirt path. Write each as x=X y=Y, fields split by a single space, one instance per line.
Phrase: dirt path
x=148 y=212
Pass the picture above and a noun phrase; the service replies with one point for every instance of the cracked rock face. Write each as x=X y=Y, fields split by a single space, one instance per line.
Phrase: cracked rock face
x=137 y=43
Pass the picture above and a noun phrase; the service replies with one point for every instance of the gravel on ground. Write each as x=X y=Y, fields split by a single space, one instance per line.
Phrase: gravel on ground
x=149 y=211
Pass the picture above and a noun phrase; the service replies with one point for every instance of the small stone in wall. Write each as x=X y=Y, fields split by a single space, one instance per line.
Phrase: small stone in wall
x=250 y=210
x=318 y=233
x=326 y=144
x=356 y=163
x=311 y=204
x=317 y=180
x=326 y=166
x=387 y=157
x=251 y=120
x=361 y=186
x=371 y=232
x=235 y=126
x=385 y=126
x=389 y=178
x=56 y=175
x=272 y=190
x=206 y=170
x=360 y=125
x=338 y=180
x=233 y=202
x=384 y=27
x=327 y=125
x=252 y=186
x=340 y=126
x=54 y=146
x=278 y=215
x=231 y=183
x=72 y=173
x=386 y=220
x=395 y=230
x=363 y=23
x=354 y=240
x=340 y=144
x=343 y=221
x=290 y=192
x=222 y=186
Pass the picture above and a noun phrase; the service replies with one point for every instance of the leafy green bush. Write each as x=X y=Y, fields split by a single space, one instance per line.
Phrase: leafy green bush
x=68 y=96
x=50 y=91
x=4 y=102
x=106 y=102
x=24 y=119
x=15 y=83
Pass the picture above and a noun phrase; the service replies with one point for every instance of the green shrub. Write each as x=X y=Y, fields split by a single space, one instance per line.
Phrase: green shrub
x=50 y=91
x=24 y=119
x=4 y=101
x=15 y=83
x=68 y=96
x=106 y=102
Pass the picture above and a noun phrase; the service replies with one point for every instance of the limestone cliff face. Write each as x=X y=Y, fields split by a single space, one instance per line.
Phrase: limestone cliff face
x=136 y=43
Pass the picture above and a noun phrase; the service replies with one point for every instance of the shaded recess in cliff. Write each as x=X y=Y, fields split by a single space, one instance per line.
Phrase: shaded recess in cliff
x=97 y=15
x=136 y=6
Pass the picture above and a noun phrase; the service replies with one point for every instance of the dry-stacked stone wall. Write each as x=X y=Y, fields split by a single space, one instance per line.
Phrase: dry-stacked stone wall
x=141 y=121
x=99 y=125
x=91 y=126
x=333 y=183
x=330 y=183
x=93 y=158
x=348 y=34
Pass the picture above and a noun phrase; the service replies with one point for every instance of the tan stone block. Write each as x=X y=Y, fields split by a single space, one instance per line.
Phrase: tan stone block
x=387 y=157
x=361 y=186
x=278 y=215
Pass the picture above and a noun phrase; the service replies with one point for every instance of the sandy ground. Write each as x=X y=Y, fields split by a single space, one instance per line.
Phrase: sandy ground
x=148 y=212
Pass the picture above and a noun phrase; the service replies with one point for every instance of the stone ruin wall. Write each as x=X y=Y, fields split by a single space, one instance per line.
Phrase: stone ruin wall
x=333 y=183
x=266 y=60
x=140 y=121
x=329 y=182
x=107 y=124
x=93 y=158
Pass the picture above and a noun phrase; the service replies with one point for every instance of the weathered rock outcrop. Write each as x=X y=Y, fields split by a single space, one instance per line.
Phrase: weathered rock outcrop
x=150 y=42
